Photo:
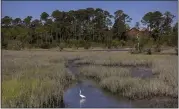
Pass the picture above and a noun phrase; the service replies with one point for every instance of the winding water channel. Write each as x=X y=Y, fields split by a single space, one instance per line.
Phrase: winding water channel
x=95 y=96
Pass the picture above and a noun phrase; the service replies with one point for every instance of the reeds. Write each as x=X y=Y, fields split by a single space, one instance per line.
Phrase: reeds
x=118 y=79
x=39 y=78
x=33 y=79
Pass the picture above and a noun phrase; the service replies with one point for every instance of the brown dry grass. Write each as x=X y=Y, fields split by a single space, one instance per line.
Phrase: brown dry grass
x=33 y=79
x=119 y=81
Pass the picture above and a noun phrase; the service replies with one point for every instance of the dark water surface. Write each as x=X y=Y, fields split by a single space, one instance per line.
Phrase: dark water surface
x=141 y=72
x=95 y=97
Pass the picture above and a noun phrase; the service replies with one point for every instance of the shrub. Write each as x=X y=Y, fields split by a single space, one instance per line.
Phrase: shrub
x=115 y=43
x=61 y=46
x=4 y=44
x=27 y=45
x=87 y=45
x=122 y=42
x=69 y=45
x=143 y=42
x=149 y=52
x=80 y=43
x=15 y=45
x=130 y=43
x=157 y=48
x=108 y=45
x=54 y=44
x=45 y=45
x=74 y=43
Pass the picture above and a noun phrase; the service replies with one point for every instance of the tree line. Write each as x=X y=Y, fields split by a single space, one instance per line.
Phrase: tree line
x=84 y=28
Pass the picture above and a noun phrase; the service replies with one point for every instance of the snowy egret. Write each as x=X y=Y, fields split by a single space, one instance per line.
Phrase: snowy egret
x=82 y=96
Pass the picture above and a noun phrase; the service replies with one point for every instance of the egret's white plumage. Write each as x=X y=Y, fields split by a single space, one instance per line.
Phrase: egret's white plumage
x=82 y=96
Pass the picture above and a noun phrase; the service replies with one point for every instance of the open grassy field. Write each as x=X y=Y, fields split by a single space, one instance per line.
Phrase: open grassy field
x=38 y=78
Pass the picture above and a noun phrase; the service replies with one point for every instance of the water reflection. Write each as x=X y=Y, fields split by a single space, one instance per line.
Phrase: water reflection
x=82 y=101
x=95 y=98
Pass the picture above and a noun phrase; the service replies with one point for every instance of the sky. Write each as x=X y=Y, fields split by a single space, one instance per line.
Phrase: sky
x=135 y=9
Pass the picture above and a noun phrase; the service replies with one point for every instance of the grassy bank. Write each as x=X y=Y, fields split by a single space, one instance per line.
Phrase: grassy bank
x=33 y=79
x=119 y=80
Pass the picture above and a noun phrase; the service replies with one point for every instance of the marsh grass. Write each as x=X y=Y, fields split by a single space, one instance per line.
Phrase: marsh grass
x=38 y=78
x=118 y=59
x=92 y=71
x=118 y=80
x=33 y=79
x=167 y=71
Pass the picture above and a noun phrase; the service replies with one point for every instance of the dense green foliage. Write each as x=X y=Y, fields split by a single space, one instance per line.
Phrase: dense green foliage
x=83 y=28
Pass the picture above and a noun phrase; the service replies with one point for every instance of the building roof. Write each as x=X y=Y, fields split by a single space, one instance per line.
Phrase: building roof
x=143 y=29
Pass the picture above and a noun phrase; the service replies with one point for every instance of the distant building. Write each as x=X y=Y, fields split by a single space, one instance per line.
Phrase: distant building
x=133 y=32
